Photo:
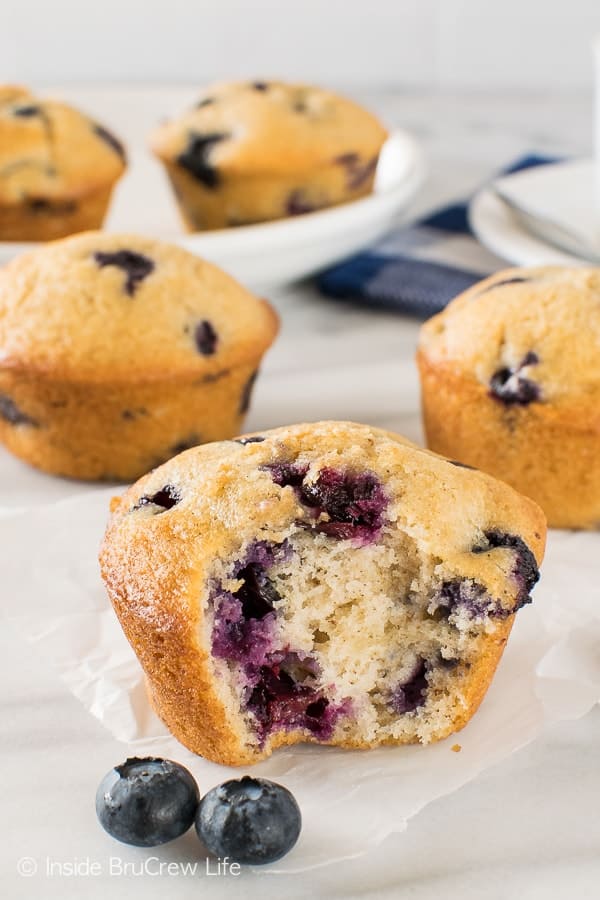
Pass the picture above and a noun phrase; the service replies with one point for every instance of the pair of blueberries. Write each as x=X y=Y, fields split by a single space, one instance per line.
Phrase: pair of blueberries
x=147 y=802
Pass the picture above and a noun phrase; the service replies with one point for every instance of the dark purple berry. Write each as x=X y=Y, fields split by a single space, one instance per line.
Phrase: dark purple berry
x=250 y=821
x=260 y=86
x=135 y=265
x=257 y=595
x=146 y=802
x=247 y=394
x=166 y=498
x=516 y=280
x=288 y=699
x=466 y=596
x=27 y=112
x=109 y=138
x=413 y=693
x=195 y=158
x=357 y=172
x=511 y=387
x=10 y=412
x=242 y=624
x=287 y=474
x=526 y=571
x=298 y=205
x=472 y=598
x=353 y=501
x=530 y=359
x=51 y=207
x=206 y=338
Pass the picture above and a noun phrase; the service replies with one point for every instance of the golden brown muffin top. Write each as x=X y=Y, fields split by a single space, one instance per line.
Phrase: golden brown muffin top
x=532 y=335
x=117 y=307
x=49 y=151
x=213 y=500
x=268 y=127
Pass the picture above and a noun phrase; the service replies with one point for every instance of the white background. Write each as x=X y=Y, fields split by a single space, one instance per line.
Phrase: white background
x=473 y=44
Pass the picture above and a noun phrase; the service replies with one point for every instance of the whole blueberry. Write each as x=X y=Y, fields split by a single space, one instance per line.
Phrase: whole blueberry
x=146 y=802
x=252 y=821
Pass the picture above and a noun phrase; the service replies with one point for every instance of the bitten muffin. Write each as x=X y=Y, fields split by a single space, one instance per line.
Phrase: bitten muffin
x=510 y=376
x=329 y=583
x=117 y=352
x=251 y=152
x=57 y=168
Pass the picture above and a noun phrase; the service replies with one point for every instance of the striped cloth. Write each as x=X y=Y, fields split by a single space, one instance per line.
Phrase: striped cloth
x=417 y=269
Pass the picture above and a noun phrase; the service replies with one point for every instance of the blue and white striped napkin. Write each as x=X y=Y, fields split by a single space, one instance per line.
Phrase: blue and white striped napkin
x=417 y=269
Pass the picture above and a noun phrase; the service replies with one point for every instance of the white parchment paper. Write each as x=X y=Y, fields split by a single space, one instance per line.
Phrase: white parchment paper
x=350 y=800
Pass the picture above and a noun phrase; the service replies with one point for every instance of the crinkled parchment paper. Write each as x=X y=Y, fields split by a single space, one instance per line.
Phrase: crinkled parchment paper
x=350 y=800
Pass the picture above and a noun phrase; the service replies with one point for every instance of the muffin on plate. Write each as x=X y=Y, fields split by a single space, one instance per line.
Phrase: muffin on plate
x=57 y=168
x=255 y=151
x=118 y=351
x=329 y=583
x=510 y=376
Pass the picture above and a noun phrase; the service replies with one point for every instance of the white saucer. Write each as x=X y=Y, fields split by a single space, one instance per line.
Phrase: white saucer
x=562 y=191
x=274 y=253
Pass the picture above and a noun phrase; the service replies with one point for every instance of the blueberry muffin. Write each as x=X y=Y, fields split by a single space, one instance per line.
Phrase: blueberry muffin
x=252 y=152
x=329 y=583
x=117 y=352
x=510 y=376
x=57 y=168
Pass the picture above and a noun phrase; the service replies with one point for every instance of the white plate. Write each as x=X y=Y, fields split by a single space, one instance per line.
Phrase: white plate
x=274 y=253
x=562 y=192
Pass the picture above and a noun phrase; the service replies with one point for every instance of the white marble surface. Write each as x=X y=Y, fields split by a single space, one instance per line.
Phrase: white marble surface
x=525 y=829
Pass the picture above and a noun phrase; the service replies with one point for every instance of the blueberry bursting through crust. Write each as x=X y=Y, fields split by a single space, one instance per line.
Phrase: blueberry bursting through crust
x=196 y=158
x=136 y=266
x=511 y=386
x=10 y=412
x=164 y=499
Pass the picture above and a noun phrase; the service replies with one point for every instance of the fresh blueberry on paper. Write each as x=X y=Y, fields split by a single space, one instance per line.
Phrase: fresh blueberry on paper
x=136 y=266
x=196 y=158
x=146 y=802
x=252 y=821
